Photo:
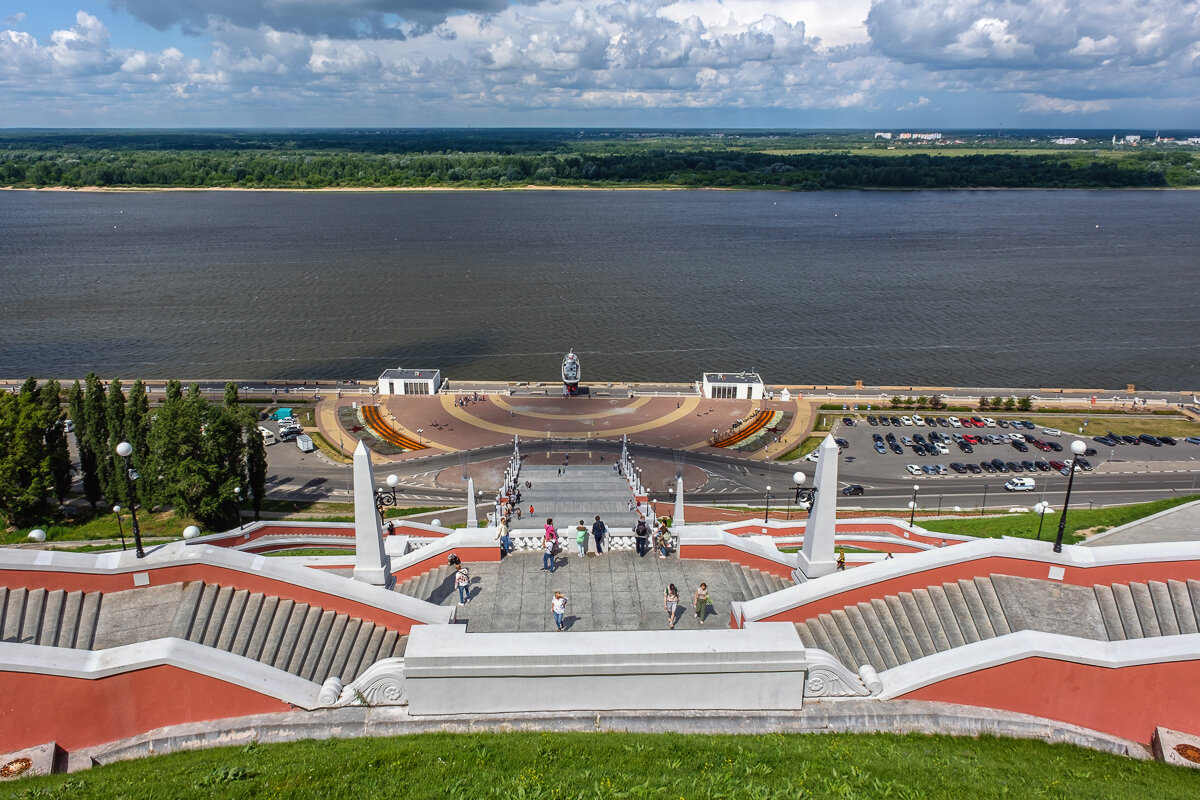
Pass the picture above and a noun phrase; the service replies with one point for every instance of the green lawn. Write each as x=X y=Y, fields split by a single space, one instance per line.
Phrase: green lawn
x=104 y=526
x=1132 y=425
x=606 y=765
x=1026 y=525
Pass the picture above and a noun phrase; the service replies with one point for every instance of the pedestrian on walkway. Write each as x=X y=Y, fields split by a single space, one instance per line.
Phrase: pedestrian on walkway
x=841 y=560
x=671 y=604
x=531 y=510
x=641 y=535
x=548 y=546
x=391 y=528
x=663 y=539
x=701 y=602
x=558 y=607
x=598 y=531
x=581 y=537
x=462 y=581
x=503 y=537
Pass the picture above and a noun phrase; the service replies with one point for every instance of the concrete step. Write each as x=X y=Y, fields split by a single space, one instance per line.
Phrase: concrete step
x=401 y=646
x=991 y=602
x=806 y=638
x=14 y=612
x=316 y=648
x=1164 y=609
x=52 y=618
x=836 y=640
x=932 y=622
x=308 y=632
x=324 y=667
x=31 y=624
x=916 y=621
x=216 y=620
x=962 y=612
x=204 y=610
x=908 y=634
x=895 y=637
x=89 y=617
x=937 y=596
x=235 y=620
x=1109 y=613
x=1194 y=591
x=1183 y=607
x=979 y=615
x=1127 y=608
x=345 y=646
x=858 y=653
x=69 y=631
x=290 y=634
x=1144 y=605
x=277 y=630
x=357 y=650
x=262 y=627
x=879 y=638
x=185 y=613
x=388 y=645
x=246 y=628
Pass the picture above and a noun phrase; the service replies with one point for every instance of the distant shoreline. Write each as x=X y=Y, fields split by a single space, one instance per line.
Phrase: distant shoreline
x=538 y=188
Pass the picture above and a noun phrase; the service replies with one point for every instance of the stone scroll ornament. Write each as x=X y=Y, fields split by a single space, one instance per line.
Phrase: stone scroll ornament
x=381 y=685
x=828 y=677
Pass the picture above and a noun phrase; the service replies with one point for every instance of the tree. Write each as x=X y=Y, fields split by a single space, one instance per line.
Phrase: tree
x=1025 y=403
x=936 y=402
x=58 y=454
x=897 y=401
x=1010 y=403
x=114 y=415
x=256 y=463
x=231 y=395
x=983 y=404
x=24 y=472
x=922 y=401
x=88 y=472
x=137 y=423
x=95 y=431
x=166 y=450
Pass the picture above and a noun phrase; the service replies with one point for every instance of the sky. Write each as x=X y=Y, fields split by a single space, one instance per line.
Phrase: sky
x=886 y=64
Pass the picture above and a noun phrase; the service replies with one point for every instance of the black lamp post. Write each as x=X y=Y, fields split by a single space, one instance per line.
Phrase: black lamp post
x=802 y=495
x=384 y=499
x=120 y=527
x=125 y=450
x=912 y=506
x=767 y=514
x=237 y=496
x=1077 y=448
x=1041 y=509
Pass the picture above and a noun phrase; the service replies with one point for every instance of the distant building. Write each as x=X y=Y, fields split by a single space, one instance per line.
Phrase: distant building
x=409 y=381
x=883 y=134
x=925 y=137
x=732 y=386
x=1070 y=140
x=1132 y=138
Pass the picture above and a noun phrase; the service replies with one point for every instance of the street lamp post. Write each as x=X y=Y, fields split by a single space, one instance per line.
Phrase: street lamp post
x=120 y=527
x=912 y=506
x=803 y=495
x=237 y=498
x=421 y=436
x=384 y=499
x=767 y=514
x=1041 y=509
x=125 y=450
x=1077 y=448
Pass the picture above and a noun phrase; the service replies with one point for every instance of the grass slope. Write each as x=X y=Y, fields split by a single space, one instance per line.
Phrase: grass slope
x=611 y=765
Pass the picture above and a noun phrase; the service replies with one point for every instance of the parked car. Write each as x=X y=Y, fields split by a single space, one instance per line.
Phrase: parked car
x=885 y=422
x=896 y=448
x=989 y=422
x=1052 y=431
x=987 y=466
x=958 y=467
x=942 y=449
x=974 y=469
x=913 y=469
x=848 y=422
x=842 y=444
x=1150 y=440
x=1107 y=441
x=1055 y=446
x=872 y=420
x=1014 y=466
x=918 y=420
x=929 y=469
x=966 y=448
x=1020 y=447
x=942 y=422
x=852 y=490
x=906 y=421
x=1169 y=440
x=1003 y=423
x=1029 y=466
x=954 y=422
x=1084 y=464
x=999 y=465
x=880 y=447
x=1058 y=465
x=1019 y=485
x=1193 y=440
x=1042 y=464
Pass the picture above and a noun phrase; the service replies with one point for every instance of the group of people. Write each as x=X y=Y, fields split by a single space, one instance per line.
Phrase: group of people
x=701 y=602
x=552 y=544
x=661 y=535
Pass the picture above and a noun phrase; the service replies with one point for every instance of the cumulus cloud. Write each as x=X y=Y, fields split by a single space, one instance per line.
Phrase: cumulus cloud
x=1056 y=105
x=343 y=19
x=15 y=19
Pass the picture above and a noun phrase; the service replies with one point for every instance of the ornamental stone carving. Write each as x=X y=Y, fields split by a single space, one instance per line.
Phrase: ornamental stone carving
x=828 y=677
x=381 y=685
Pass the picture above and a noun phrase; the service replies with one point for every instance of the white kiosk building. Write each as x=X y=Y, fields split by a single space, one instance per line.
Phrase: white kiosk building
x=410 y=381
x=732 y=386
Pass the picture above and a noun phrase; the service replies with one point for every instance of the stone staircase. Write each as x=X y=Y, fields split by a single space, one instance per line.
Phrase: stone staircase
x=307 y=641
x=748 y=583
x=49 y=618
x=897 y=629
x=434 y=586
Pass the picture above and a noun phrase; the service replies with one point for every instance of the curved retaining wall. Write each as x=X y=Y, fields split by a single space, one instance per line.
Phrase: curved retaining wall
x=178 y=563
x=1020 y=557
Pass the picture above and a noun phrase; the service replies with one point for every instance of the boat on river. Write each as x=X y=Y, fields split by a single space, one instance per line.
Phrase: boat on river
x=570 y=372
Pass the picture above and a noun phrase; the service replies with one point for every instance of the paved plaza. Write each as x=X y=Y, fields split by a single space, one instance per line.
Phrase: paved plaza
x=617 y=591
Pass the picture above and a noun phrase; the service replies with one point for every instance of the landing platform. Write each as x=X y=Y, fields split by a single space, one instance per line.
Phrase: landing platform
x=617 y=591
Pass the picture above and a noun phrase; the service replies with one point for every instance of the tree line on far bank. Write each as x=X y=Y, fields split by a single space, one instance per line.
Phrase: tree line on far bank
x=189 y=455
x=693 y=168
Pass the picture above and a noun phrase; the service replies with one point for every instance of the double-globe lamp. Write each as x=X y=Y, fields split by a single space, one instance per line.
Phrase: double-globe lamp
x=1077 y=448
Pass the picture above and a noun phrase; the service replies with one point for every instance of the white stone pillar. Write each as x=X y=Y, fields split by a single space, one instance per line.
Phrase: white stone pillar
x=472 y=518
x=678 y=516
x=816 y=558
x=371 y=562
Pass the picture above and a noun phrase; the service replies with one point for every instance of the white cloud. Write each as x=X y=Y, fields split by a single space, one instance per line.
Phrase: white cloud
x=15 y=19
x=920 y=102
x=1041 y=104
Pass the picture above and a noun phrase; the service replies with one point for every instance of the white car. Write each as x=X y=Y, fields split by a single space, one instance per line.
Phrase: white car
x=941 y=448
x=1052 y=431
x=918 y=420
x=954 y=422
x=913 y=469
x=906 y=420
x=1016 y=437
x=989 y=422
x=813 y=456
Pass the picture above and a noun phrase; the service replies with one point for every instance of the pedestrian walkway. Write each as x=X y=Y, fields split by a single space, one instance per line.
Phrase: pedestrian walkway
x=581 y=492
x=617 y=591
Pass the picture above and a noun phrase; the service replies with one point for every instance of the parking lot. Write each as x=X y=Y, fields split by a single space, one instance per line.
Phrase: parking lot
x=944 y=447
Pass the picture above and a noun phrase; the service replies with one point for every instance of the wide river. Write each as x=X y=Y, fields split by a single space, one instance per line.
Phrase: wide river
x=975 y=288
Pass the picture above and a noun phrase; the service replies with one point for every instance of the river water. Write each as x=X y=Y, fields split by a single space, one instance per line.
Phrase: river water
x=973 y=288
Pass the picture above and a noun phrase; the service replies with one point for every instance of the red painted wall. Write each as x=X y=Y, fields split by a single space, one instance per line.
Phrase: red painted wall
x=253 y=582
x=75 y=712
x=1001 y=565
x=1127 y=702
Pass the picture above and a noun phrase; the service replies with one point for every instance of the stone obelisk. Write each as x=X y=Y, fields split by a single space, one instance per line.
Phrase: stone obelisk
x=816 y=558
x=371 y=563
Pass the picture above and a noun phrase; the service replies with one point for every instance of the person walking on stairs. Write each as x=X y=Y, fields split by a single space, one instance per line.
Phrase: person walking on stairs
x=581 y=537
x=558 y=607
x=598 y=531
x=701 y=602
x=641 y=535
x=462 y=581
x=671 y=604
